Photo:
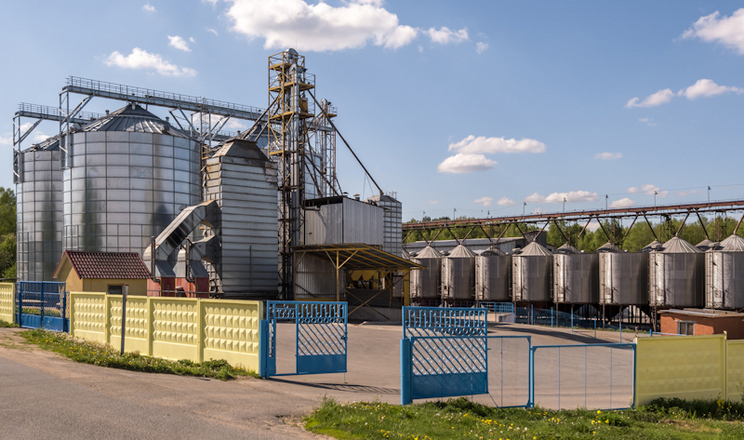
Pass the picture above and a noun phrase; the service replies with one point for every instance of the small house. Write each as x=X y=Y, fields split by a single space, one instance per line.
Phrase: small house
x=103 y=272
x=702 y=322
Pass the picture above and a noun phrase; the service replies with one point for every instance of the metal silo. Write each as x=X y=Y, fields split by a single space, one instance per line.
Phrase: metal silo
x=129 y=174
x=39 y=211
x=492 y=276
x=676 y=275
x=705 y=245
x=458 y=274
x=724 y=287
x=623 y=277
x=576 y=276
x=532 y=270
x=425 y=283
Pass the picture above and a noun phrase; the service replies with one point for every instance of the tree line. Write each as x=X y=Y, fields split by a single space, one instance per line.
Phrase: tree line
x=633 y=240
x=7 y=233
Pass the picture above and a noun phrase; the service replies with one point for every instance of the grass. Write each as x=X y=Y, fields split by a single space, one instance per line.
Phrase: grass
x=5 y=324
x=105 y=356
x=462 y=419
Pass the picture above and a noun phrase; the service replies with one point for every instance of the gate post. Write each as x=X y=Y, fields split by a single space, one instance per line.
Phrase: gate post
x=263 y=348
x=531 y=403
x=42 y=304
x=405 y=371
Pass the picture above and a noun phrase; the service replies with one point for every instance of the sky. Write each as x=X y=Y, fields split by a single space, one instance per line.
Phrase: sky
x=480 y=108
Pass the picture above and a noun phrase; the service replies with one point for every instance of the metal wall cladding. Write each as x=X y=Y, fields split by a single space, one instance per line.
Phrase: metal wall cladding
x=39 y=210
x=623 y=278
x=493 y=278
x=724 y=288
x=676 y=280
x=392 y=229
x=316 y=278
x=532 y=278
x=425 y=282
x=458 y=278
x=344 y=221
x=124 y=187
x=576 y=278
x=247 y=193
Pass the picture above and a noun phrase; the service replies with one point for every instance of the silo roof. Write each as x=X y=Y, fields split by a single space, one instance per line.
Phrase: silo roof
x=567 y=249
x=654 y=245
x=705 y=244
x=429 y=252
x=405 y=254
x=133 y=117
x=679 y=246
x=733 y=243
x=461 y=251
x=535 y=249
x=493 y=250
x=609 y=247
x=241 y=149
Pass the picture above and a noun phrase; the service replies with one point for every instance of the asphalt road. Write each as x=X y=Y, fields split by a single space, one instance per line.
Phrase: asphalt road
x=43 y=395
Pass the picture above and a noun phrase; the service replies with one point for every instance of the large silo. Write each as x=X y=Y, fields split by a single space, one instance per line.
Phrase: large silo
x=623 y=277
x=458 y=274
x=392 y=227
x=492 y=276
x=724 y=266
x=676 y=275
x=39 y=211
x=129 y=174
x=576 y=276
x=425 y=283
x=532 y=270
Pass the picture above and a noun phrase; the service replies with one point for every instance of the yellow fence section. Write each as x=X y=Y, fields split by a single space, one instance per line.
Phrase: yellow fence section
x=7 y=302
x=172 y=328
x=735 y=370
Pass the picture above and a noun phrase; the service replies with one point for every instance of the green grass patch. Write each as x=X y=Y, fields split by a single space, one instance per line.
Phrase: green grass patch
x=5 y=324
x=106 y=356
x=462 y=419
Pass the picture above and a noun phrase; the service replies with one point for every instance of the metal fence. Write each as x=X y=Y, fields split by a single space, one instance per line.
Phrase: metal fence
x=508 y=363
x=42 y=304
x=598 y=376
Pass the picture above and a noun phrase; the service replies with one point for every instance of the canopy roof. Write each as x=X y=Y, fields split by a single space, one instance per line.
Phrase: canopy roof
x=358 y=256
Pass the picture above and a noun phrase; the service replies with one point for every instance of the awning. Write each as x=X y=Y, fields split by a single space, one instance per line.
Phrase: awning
x=358 y=256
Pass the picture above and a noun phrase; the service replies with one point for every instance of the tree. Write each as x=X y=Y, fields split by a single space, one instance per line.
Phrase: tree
x=7 y=233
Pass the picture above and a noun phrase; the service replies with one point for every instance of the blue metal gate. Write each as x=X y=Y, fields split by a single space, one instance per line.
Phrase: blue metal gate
x=443 y=352
x=42 y=304
x=320 y=336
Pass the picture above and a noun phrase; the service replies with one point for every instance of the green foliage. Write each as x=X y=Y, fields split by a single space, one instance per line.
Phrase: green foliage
x=5 y=324
x=7 y=233
x=105 y=356
x=461 y=418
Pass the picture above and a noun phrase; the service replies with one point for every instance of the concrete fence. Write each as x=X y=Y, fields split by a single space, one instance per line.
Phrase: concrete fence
x=7 y=302
x=689 y=367
x=172 y=328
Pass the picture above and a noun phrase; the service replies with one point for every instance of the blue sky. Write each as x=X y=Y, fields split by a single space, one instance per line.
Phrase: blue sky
x=476 y=106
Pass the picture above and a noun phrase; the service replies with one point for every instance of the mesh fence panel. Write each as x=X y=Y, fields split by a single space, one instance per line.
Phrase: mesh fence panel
x=508 y=372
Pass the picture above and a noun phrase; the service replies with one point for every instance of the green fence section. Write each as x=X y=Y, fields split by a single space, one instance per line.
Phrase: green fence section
x=172 y=328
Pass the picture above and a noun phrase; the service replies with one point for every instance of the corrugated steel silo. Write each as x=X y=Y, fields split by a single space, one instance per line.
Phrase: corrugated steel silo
x=425 y=283
x=39 y=212
x=458 y=274
x=676 y=275
x=576 y=276
x=532 y=270
x=724 y=268
x=492 y=276
x=130 y=173
x=623 y=276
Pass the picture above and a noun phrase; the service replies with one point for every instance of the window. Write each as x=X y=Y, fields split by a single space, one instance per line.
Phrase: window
x=686 y=327
x=115 y=290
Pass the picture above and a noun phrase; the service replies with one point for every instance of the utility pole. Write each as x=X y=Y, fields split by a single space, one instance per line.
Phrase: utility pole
x=524 y=206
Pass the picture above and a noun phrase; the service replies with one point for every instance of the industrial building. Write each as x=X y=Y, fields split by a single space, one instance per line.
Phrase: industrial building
x=210 y=213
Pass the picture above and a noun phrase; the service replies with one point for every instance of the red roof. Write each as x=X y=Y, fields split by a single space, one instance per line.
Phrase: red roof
x=106 y=265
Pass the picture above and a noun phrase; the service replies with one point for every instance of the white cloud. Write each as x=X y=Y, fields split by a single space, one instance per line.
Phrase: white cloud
x=6 y=140
x=558 y=197
x=148 y=7
x=706 y=88
x=481 y=47
x=236 y=124
x=216 y=34
x=211 y=2
x=179 y=43
x=191 y=39
x=421 y=49
x=484 y=201
x=446 y=36
x=647 y=189
x=658 y=98
x=648 y=121
x=608 y=156
x=482 y=144
x=623 y=203
x=319 y=27
x=505 y=201
x=141 y=59
x=688 y=192
x=593 y=225
x=465 y=163
x=433 y=202
x=728 y=31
